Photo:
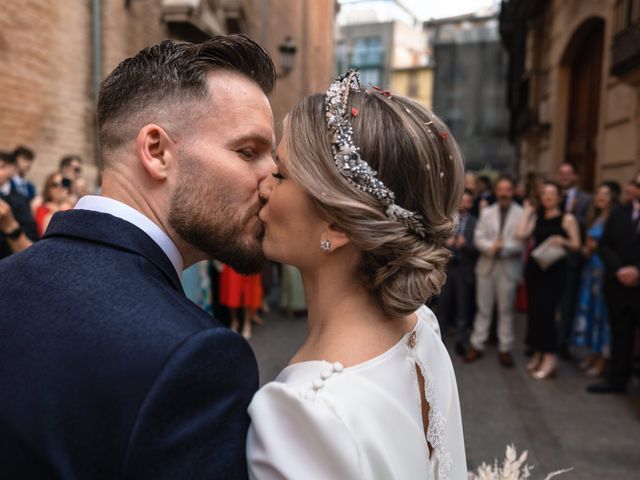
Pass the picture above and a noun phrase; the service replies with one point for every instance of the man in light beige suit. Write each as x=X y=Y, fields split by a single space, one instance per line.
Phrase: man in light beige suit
x=497 y=271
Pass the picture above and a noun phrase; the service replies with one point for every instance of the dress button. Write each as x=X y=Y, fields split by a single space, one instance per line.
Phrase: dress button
x=338 y=367
x=412 y=340
x=326 y=374
x=318 y=384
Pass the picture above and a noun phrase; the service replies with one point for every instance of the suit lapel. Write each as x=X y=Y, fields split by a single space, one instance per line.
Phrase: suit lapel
x=495 y=219
x=109 y=230
x=511 y=215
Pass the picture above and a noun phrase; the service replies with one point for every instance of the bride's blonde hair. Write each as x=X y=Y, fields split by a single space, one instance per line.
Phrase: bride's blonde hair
x=417 y=158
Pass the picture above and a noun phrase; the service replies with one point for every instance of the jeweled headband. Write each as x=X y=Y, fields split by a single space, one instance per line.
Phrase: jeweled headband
x=346 y=154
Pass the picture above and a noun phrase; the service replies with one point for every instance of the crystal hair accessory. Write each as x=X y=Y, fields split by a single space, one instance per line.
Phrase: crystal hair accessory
x=346 y=155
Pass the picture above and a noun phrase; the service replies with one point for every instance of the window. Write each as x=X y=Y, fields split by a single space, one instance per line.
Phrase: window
x=367 y=51
x=371 y=76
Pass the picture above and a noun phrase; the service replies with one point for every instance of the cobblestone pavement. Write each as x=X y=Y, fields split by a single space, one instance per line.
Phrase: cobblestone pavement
x=555 y=420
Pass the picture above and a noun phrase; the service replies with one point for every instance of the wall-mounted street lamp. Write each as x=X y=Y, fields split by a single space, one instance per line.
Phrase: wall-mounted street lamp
x=287 y=51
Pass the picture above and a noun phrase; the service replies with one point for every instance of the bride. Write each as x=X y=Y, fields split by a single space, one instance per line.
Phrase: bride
x=363 y=200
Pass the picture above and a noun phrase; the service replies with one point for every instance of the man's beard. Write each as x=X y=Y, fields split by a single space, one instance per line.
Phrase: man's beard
x=201 y=214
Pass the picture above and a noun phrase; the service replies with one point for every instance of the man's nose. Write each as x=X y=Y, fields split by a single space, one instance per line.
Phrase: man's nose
x=265 y=187
x=266 y=167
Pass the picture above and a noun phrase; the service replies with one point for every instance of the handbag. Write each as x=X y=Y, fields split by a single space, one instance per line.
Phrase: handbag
x=547 y=253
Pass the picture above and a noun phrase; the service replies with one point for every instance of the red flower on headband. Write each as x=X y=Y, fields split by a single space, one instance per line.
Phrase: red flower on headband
x=354 y=112
x=444 y=135
x=386 y=93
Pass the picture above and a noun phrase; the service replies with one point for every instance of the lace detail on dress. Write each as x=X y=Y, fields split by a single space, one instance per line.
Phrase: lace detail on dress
x=436 y=431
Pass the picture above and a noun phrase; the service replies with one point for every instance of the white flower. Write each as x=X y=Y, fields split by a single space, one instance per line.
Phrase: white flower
x=513 y=468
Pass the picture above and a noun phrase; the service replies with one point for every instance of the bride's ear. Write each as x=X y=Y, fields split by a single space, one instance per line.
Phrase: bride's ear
x=337 y=238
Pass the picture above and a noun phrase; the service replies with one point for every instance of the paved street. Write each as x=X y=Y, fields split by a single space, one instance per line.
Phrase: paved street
x=559 y=424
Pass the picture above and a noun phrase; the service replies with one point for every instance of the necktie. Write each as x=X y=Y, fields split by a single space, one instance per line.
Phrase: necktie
x=568 y=206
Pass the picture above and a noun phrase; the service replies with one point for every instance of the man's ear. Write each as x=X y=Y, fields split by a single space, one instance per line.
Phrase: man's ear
x=153 y=148
x=337 y=238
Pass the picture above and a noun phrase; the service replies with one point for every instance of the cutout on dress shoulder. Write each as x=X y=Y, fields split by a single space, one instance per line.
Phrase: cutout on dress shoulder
x=424 y=406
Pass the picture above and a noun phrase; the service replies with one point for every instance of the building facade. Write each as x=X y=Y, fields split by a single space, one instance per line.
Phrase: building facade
x=574 y=86
x=53 y=56
x=389 y=47
x=469 y=88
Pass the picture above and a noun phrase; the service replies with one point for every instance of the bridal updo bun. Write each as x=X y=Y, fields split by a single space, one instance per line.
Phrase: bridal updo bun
x=417 y=158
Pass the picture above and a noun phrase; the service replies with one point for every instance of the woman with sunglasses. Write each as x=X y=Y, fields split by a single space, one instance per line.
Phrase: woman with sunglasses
x=55 y=198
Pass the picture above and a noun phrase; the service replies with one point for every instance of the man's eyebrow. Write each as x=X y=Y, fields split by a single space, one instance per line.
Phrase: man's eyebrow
x=252 y=137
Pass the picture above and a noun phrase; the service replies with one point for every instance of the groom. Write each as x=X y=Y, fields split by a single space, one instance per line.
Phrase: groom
x=106 y=369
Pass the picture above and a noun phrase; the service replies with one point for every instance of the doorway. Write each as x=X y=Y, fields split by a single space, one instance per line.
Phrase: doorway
x=584 y=60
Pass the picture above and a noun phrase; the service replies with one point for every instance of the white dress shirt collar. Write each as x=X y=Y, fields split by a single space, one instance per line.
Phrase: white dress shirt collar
x=18 y=180
x=133 y=216
x=5 y=188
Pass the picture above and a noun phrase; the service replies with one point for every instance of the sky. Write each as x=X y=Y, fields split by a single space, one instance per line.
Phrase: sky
x=426 y=9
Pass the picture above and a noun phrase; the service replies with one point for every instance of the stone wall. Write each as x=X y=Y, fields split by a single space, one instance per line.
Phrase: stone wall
x=617 y=143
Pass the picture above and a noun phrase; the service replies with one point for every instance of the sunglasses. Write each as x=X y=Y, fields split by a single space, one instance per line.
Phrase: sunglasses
x=77 y=170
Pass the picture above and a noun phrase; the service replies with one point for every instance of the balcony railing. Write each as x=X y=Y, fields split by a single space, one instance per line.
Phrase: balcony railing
x=626 y=40
x=206 y=17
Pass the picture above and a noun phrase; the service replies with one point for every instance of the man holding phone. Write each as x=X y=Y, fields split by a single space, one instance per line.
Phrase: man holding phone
x=17 y=227
x=71 y=169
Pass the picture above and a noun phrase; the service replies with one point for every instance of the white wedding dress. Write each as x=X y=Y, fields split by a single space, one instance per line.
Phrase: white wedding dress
x=319 y=420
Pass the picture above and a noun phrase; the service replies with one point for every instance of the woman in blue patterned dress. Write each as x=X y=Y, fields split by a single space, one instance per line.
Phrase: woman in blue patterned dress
x=591 y=324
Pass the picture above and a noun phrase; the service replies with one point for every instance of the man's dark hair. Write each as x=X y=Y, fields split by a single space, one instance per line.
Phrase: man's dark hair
x=554 y=184
x=172 y=73
x=7 y=157
x=505 y=178
x=615 y=189
x=22 y=151
x=485 y=179
x=67 y=159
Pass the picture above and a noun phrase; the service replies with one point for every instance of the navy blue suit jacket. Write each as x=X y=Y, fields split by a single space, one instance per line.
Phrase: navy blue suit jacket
x=107 y=370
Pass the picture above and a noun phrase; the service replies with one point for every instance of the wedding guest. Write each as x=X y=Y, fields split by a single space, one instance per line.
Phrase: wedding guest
x=292 y=299
x=592 y=323
x=485 y=195
x=497 y=272
x=520 y=192
x=578 y=203
x=620 y=250
x=455 y=304
x=545 y=286
x=24 y=161
x=629 y=193
x=471 y=185
x=574 y=200
x=71 y=169
x=17 y=227
x=241 y=292
x=197 y=285
x=55 y=198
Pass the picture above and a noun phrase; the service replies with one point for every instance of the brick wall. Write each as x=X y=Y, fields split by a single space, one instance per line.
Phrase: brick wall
x=46 y=60
x=45 y=90
x=310 y=24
